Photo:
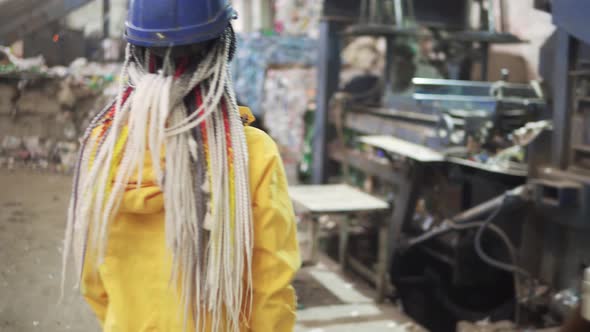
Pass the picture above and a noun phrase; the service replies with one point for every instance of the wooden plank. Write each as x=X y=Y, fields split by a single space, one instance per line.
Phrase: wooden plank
x=372 y=124
x=425 y=119
x=403 y=148
x=334 y=199
x=488 y=168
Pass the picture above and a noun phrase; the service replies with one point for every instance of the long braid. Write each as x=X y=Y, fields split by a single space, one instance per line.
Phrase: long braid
x=208 y=217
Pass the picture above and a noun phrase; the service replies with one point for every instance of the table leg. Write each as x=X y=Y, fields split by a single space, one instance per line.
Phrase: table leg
x=404 y=206
x=314 y=237
x=343 y=245
x=381 y=277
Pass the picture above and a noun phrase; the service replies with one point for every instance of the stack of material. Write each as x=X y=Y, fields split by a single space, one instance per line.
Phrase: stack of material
x=363 y=55
x=8 y=93
x=40 y=123
x=288 y=93
x=257 y=53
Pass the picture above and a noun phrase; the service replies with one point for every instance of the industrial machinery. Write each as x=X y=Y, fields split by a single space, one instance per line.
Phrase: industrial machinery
x=493 y=224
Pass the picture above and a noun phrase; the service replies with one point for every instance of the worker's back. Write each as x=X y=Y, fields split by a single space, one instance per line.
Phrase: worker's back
x=132 y=290
x=180 y=217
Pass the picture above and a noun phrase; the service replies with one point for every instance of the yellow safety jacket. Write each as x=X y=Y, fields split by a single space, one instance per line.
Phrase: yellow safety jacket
x=131 y=291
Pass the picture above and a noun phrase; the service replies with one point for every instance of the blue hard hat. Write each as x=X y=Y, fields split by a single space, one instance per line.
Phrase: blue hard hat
x=163 y=23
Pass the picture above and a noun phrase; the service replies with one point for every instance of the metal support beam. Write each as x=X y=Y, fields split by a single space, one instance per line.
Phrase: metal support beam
x=562 y=108
x=328 y=77
x=491 y=16
x=261 y=18
x=106 y=18
x=389 y=69
x=504 y=25
x=485 y=59
x=399 y=14
x=404 y=206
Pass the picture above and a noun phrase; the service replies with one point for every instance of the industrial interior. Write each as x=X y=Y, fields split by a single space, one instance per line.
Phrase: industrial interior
x=437 y=154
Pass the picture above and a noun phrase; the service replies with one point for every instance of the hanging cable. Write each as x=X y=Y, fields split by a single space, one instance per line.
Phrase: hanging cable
x=482 y=226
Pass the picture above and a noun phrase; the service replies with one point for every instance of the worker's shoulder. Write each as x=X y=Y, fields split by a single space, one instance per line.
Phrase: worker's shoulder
x=260 y=145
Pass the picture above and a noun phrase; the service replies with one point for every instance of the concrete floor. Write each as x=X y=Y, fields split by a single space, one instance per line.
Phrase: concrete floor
x=32 y=219
x=356 y=312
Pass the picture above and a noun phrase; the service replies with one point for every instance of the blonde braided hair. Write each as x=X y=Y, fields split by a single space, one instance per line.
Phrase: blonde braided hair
x=212 y=249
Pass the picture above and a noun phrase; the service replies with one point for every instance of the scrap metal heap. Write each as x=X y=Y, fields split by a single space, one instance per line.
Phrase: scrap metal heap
x=493 y=223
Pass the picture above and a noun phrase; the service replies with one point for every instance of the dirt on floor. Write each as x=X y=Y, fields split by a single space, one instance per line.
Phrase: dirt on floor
x=32 y=221
x=311 y=293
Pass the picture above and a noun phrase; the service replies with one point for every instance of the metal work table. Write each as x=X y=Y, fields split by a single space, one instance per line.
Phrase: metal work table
x=313 y=201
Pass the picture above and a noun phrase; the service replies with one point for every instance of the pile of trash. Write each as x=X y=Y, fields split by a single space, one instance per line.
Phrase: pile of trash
x=44 y=111
x=10 y=63
x=93 y=74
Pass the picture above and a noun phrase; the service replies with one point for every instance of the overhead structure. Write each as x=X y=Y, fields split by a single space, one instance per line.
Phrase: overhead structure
x=389 y=17
x=21 y=17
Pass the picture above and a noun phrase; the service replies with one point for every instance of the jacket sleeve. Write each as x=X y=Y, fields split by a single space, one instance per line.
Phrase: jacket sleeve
x=93 y=290
x=276 y=256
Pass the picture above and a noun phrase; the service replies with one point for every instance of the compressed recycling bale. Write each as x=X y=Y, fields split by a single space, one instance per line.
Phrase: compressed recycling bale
x=7 y=94
x=36 y=101
x=25 y=126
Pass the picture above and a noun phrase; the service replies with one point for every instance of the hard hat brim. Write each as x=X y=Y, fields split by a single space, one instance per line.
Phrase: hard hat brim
x=180 y=36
